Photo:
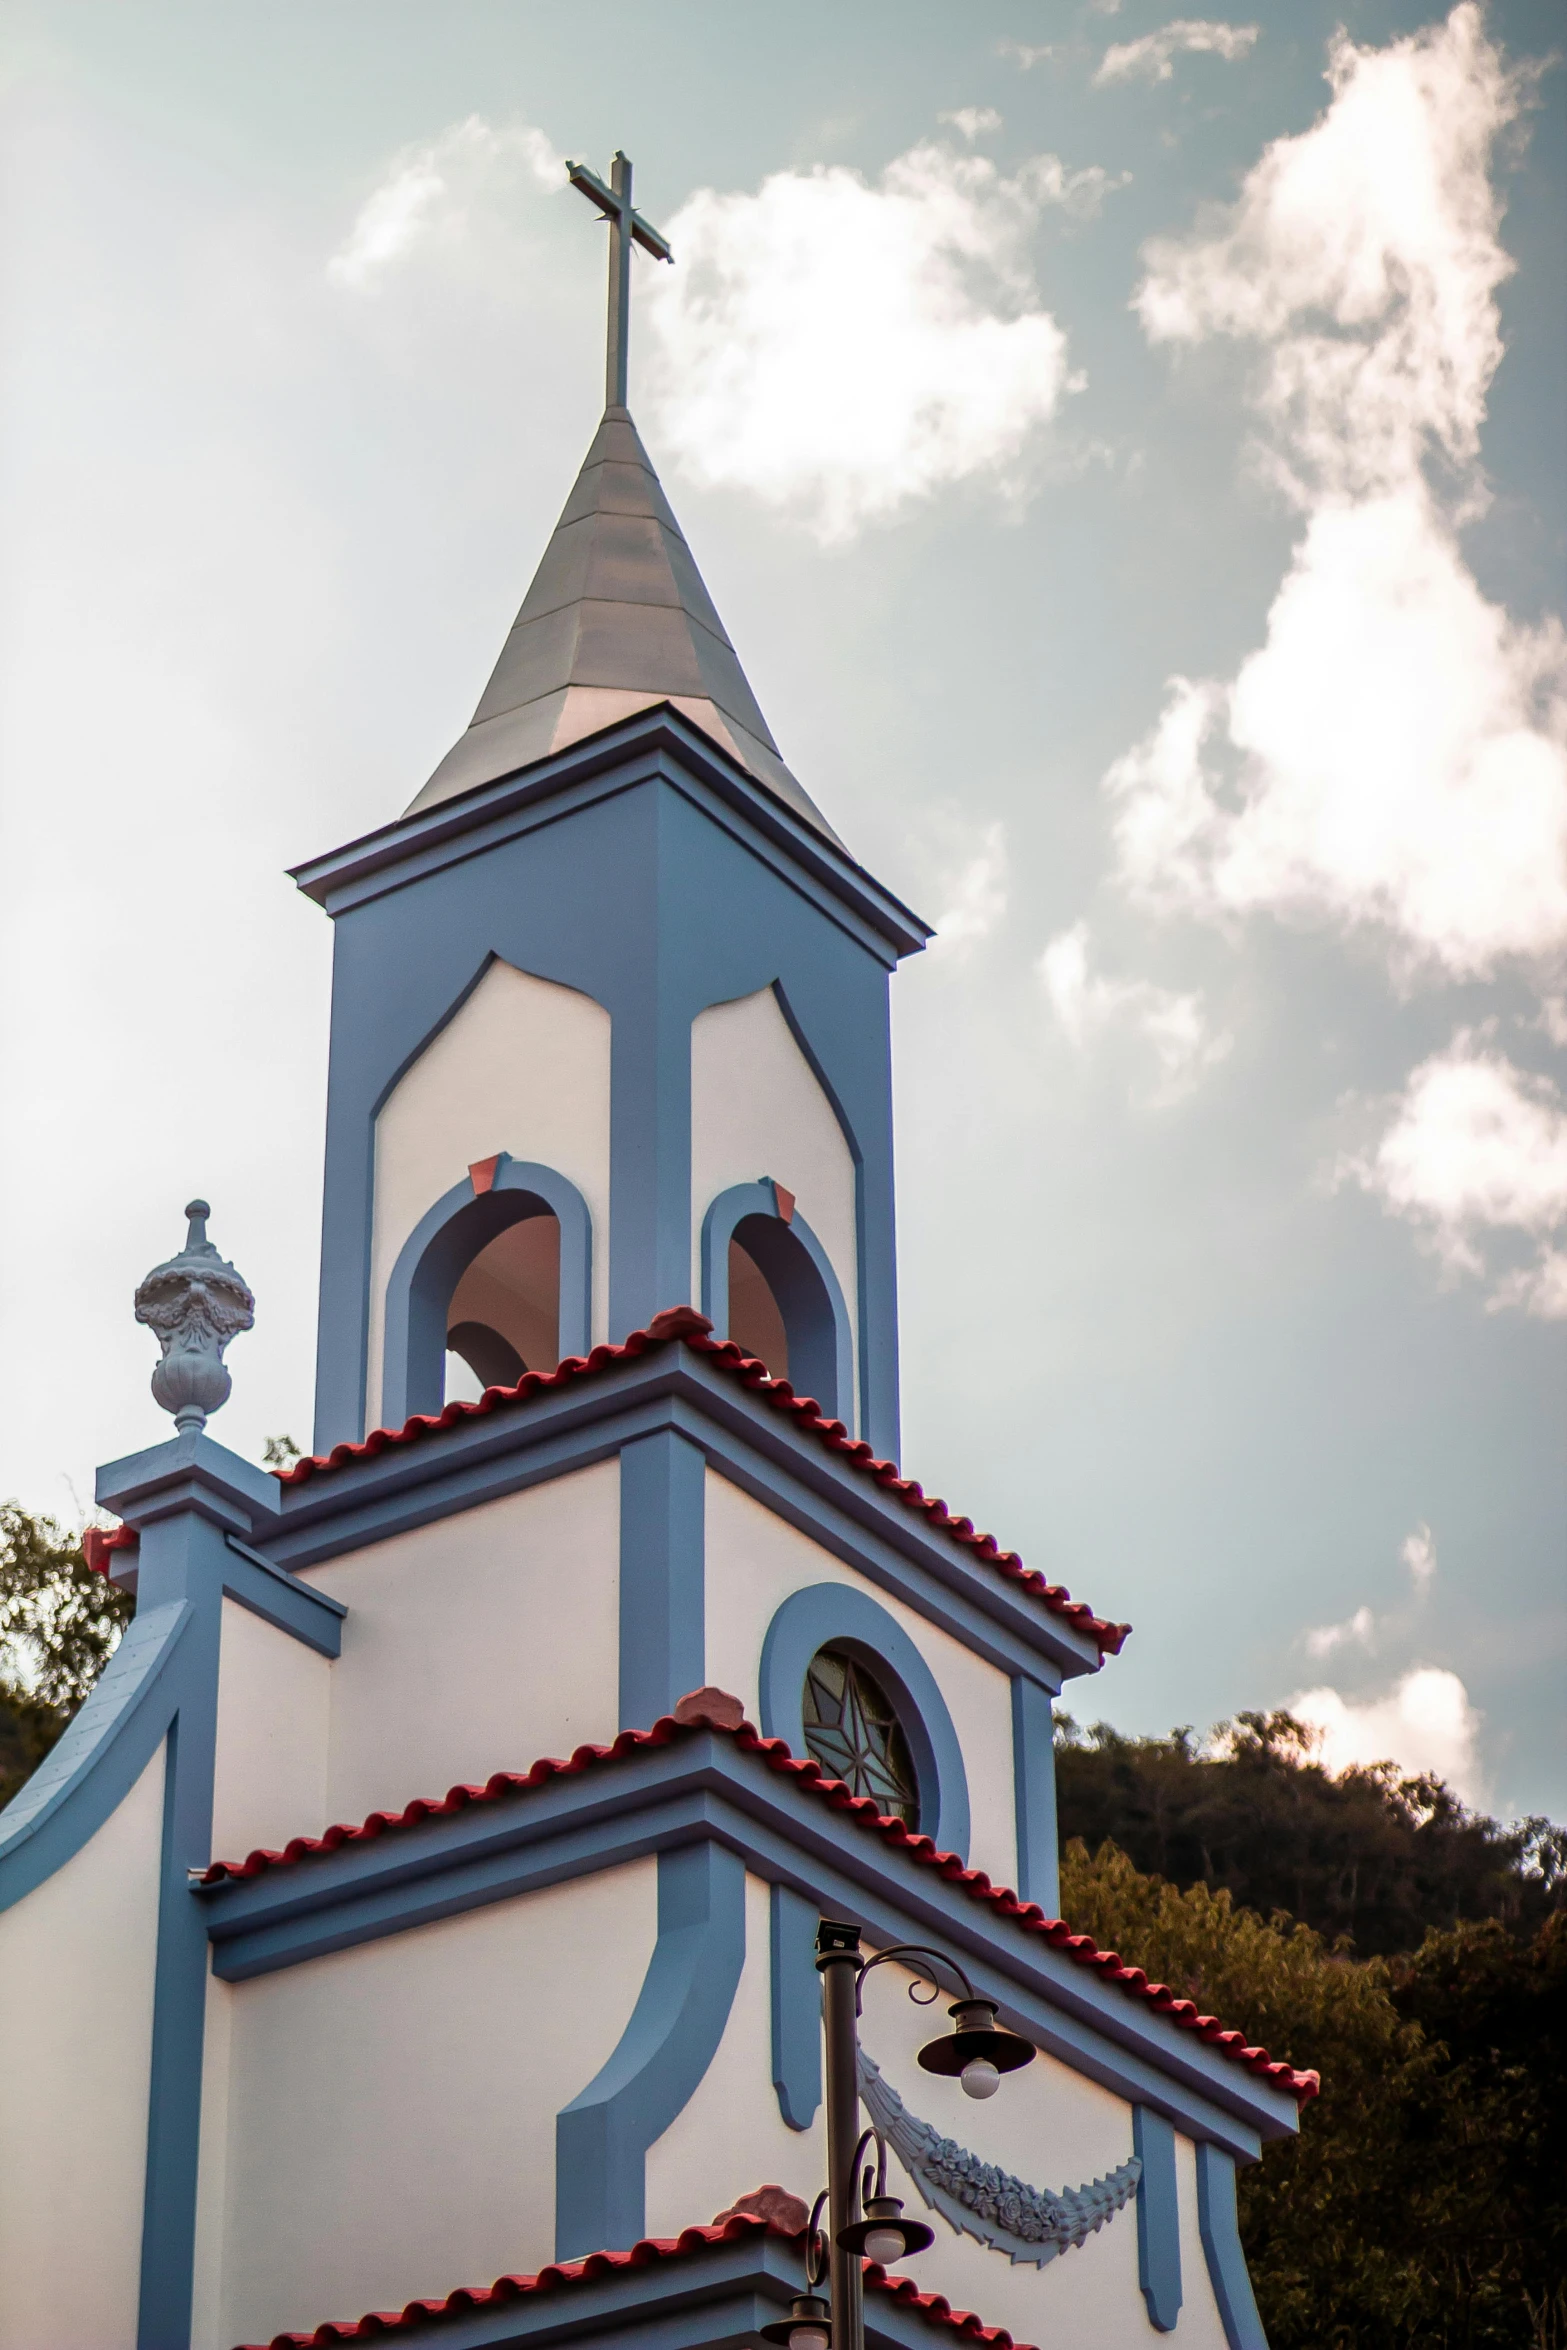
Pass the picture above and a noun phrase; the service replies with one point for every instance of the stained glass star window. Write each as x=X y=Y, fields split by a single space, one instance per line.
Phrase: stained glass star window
x=853 y=1732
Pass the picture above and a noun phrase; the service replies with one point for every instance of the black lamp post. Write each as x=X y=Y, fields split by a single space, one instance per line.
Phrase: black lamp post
x=864 y=2221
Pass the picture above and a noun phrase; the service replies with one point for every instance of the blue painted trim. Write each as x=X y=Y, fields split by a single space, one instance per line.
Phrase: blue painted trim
x=704 y=1786
x=1158 y=2218
x=1219 y=2228
x=87 y=1775
x=838 y=1614
x=602 y=2136
x=282 y=1601
x=759 y=1449
x=663 y=1495
x=437 y=1252
x=796 y=2006
x=1034 y=1795
x=657 y=743
x=190 y=1471
x=804 y=1284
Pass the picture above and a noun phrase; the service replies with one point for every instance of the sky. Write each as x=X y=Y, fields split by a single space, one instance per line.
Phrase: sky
x=1126 y=452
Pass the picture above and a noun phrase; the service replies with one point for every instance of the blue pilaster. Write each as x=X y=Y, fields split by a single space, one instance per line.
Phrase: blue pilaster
x=1219 y=2226
x=1034 y=1794
x=796 y=2000
x=1158 y=2218
x=663 y=1492
x=186 y=1498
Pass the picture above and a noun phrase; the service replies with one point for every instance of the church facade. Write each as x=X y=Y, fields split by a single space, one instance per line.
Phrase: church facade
x=414 y=1934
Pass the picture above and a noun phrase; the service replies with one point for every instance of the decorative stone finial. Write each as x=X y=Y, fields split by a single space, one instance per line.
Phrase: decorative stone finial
x=196 y=1303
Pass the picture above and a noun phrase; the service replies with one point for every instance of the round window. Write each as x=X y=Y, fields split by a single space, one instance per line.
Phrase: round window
x=853 y=1732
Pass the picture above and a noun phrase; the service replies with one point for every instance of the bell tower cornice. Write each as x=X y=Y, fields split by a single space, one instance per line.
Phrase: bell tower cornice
x=656 y=742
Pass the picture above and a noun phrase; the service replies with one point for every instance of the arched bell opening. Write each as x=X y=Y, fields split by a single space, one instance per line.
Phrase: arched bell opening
x=768 y=1284
x=503 y=1317
x=491 y=1283
x=755 y=1317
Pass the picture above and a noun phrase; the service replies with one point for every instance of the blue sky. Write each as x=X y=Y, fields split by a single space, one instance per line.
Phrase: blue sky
x=1125 y=450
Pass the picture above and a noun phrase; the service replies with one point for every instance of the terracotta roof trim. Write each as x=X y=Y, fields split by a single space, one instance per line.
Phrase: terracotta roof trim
x=809 y=1776
x=686 y=1325
x=650 y=2252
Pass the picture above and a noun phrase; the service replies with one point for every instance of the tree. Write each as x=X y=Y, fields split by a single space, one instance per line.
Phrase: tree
x=59 y=1625
x=1369 y=1854
x=1421 y=2206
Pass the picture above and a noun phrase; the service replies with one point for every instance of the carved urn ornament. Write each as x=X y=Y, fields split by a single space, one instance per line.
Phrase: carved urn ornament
x=196 y=1303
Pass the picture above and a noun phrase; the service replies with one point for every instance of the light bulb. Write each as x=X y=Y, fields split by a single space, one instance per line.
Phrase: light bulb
x=808 y=2338
x=979 y=2077
x=883 y=2244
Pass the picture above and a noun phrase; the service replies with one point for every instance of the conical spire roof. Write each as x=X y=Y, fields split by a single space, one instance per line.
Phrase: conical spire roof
x=617 y=619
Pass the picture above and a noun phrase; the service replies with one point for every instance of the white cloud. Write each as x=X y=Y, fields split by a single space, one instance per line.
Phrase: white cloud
x=430 y=191
x=1395 y=754
x=1399 y=754
x=972 y=121
x=978 y=900
x=1418 y=1553
x=1088 y=1007
x=1478 y=1147
x=1151 y=58
x=841 y=347
x=1552 y=1020
x=1425 y=1722
x=1028 y=54
x=1359 y=1629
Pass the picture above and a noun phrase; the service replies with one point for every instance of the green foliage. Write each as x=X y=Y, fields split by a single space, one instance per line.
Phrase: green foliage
x=1422 y=2203
x=1368 y=1854
x=59 y=1625
x=280 y=1452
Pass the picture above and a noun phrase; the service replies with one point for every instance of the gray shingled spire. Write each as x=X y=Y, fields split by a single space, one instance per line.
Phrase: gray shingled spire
x=617 y=620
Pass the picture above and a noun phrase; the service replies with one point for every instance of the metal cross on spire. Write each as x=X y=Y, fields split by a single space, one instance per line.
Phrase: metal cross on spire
x=625 y=225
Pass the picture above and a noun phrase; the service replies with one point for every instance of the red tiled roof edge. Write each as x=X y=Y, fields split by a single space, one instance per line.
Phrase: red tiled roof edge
x=650 y=2252
x=1081 y=1948
x=685 y=1324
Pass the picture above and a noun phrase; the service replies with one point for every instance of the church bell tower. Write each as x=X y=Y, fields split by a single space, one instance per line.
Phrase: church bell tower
x=422 y=1929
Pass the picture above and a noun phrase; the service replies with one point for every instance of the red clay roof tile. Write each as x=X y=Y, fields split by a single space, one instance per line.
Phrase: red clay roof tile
x=685 y=1324
x=810 y=1777
x=690 y=2243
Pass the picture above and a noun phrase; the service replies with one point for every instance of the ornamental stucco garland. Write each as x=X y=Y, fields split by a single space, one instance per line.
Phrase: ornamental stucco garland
x=1030 y=2224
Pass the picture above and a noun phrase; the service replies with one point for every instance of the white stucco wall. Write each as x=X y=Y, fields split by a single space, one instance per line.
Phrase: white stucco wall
x=391 y=2108
x=476 y=1644
x=757 y=1109
x=274 y=1696
x=206 y=2322
x=524 y=1067
x=77 y=1959
x=755 y=1560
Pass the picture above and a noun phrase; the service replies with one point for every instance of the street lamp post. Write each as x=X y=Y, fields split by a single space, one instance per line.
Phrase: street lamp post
x=863 y=2220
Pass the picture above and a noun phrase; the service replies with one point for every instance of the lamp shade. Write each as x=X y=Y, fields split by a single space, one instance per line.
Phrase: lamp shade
x=976 y=2039
x=807 y=2327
